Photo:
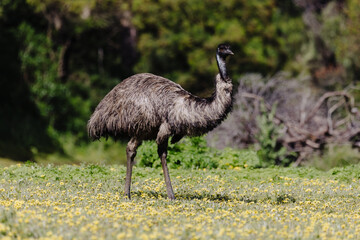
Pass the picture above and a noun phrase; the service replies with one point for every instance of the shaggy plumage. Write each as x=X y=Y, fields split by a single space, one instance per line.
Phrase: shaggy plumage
x=140 y=104
x=147 y=107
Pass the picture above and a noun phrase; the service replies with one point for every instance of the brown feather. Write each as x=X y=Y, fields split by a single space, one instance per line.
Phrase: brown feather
x=137 y=107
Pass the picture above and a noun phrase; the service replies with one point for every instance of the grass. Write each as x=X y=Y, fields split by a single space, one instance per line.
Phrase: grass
x=335 y=156
x=189 y=153
x=105 y=152
x=86 y=202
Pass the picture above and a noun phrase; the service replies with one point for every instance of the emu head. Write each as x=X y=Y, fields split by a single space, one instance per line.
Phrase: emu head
x=223 y=50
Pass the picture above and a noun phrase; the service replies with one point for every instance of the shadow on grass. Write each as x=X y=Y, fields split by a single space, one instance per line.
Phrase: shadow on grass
x=278 y=199
x=195 y=196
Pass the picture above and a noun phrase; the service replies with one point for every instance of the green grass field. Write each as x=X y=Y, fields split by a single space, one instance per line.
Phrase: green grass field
x=86 y=202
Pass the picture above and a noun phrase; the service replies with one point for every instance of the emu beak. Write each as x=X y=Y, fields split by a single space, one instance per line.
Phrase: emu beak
x=230 y=52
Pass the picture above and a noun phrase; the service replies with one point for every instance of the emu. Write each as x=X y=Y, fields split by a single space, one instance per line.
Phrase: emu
x=149 y=107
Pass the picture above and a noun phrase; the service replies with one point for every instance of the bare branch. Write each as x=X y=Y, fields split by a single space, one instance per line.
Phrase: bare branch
x=318 y=104
x=307 y=123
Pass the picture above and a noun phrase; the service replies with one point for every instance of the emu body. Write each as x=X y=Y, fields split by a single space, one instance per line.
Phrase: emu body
x=149 y=107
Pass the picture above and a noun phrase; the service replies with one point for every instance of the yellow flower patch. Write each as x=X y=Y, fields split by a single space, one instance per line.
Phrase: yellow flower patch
x=87 y=202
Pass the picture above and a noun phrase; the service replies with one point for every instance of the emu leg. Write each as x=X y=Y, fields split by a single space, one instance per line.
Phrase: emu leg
x=162 y=151
x=130 y=155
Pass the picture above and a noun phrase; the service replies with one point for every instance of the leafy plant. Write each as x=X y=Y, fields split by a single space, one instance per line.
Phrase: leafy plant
x=147 y=155
x=193 y=153
x=270 y=153
x=190 y=153
x=234 y=158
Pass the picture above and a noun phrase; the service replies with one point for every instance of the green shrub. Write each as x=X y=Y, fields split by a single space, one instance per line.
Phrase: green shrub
x=193 y=153
x=234 y=158
x=147 y=155
x=271 y=152
x=190 y=153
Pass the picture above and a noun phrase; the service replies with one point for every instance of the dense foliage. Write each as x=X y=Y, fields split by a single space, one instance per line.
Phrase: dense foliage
x=60 y=57
x=193 y=153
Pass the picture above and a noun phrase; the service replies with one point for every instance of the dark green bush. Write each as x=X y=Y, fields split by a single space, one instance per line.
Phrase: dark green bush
x=190 y=153
x=193 y=153
x=271 y=152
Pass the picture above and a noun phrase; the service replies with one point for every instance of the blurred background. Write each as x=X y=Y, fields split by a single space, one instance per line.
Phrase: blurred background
x=58 y=59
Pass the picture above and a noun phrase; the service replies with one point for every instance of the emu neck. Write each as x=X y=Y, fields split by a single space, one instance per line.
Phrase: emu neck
x=223 y=90
x=220 y=103
x=194 y=116
x=222 y=66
